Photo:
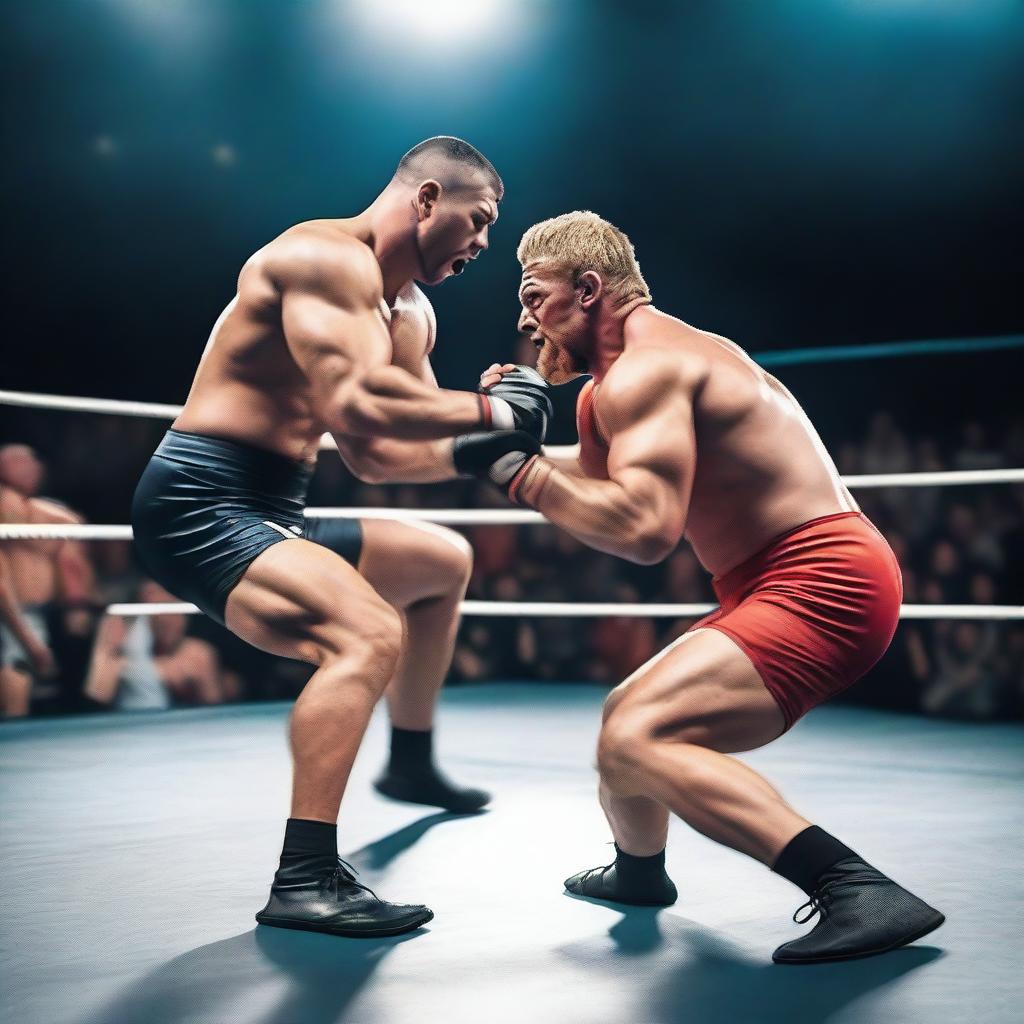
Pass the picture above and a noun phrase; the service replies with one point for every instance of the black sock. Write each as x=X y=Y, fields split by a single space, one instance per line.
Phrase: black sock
x=310 y=847
x=808 y=855
x=638 y=869
x=411 y=749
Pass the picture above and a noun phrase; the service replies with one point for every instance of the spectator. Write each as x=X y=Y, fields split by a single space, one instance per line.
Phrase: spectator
x=974 y=451
x=36 y=576
x=146 y=662
x=965 y=684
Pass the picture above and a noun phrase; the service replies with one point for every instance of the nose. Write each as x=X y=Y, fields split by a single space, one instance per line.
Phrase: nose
x=527 y=324
x=481 y=242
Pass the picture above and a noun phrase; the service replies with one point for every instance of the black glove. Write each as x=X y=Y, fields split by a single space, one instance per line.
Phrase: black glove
x=496 y=455
x=519 y=401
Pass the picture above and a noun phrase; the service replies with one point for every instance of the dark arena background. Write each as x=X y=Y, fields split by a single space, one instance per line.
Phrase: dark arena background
x=835 y=185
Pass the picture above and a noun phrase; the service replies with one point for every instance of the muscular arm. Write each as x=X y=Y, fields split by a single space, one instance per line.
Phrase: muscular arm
x=565 y=458
x=74 y=574
x=335 y=329
x=382 y=460
x=639 y=513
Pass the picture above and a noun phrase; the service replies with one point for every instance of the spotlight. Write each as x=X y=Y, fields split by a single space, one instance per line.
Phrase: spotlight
x=224 y=155
x=440 y=21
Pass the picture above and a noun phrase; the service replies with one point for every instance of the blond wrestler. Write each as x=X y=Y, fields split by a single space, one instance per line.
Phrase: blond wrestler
x=683 y=436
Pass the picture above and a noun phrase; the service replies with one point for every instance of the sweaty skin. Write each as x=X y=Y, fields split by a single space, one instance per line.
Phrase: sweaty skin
x=701 y=443
x=330 y=332
x=312 y=344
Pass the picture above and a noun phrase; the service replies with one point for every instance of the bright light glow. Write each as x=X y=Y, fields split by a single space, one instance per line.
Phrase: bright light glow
x=224 y=155
x=105 y=147
x=438 y=21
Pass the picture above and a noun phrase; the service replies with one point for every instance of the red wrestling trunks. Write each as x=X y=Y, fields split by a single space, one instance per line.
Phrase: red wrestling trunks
x=814 y=610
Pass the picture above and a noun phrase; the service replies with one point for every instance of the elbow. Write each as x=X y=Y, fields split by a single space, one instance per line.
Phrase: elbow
x=649 y=545
x=354 y=415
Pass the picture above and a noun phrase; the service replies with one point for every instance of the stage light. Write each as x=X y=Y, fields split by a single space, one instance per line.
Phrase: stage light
x=442 y=22
x=224 y=155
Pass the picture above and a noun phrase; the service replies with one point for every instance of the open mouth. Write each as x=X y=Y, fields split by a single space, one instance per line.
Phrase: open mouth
x=459 y=265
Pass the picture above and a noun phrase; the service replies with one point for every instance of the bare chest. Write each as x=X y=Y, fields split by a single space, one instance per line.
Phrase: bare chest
x=411 y=327
x=16 y=509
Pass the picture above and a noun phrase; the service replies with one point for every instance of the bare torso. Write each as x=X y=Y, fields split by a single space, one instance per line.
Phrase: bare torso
x=248 y=387
x=33 y=563
x=761 y=468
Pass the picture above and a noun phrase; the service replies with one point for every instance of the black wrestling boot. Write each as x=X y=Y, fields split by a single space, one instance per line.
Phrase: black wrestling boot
x=334 y=902
x=412 y=776
x=861 y=913
x=640 y=881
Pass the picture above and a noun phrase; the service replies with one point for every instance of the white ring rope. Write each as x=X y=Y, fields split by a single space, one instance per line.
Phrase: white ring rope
x=157 y=411
x=583 y=609
x=492 y=516
x=479 y=517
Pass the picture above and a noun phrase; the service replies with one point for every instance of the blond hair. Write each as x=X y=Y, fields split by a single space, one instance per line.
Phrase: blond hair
x=581 y=241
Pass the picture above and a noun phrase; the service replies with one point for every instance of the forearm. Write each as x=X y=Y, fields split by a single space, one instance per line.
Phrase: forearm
x=390 y=403
x=386 y=460
x=74 y=575
x=600 y=513
x=565 y=457
x=105 y=668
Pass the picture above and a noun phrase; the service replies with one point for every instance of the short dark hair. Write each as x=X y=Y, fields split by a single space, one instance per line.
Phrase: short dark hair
x=427 y=157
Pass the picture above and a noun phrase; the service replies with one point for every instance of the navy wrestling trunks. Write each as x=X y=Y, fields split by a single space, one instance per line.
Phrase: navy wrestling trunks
x=206 y=507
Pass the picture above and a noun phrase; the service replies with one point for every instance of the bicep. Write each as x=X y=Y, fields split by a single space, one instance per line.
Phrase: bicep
x=652 y=457
x=332 y=343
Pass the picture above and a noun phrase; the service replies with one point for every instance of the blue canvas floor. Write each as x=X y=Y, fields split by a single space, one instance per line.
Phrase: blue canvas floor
x=135 y=852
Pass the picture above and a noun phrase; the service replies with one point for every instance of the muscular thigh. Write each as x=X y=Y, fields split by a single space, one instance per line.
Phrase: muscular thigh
x=299 y=600
x=407 y=562
x=701 y=689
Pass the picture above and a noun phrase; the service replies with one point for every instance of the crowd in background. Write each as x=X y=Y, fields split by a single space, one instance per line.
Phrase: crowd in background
x=955 y=545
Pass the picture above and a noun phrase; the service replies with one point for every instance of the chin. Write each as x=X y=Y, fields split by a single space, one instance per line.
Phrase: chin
x=555 y=368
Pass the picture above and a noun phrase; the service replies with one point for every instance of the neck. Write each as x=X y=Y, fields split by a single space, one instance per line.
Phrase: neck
x=387 y=226
x=610 y=337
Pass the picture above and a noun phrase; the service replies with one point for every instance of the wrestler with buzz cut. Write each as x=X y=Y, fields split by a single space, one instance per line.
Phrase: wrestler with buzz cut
x=330 y=332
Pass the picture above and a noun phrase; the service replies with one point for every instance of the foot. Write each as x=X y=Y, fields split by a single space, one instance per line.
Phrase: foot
x=429 y=786
x=336 y=903
x=861 y=913
x=607 y=883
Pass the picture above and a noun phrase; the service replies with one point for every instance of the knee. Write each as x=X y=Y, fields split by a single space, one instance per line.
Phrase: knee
x=623 y=745
x=452 y=557
x=372 y=635
x=612 y=701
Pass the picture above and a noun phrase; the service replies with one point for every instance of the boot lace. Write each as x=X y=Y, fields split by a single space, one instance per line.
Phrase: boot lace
x=822 y=897
x=343 y=872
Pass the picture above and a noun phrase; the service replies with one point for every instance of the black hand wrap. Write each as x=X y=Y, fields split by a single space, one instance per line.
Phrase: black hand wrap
x=526 y=392
x=496 y=455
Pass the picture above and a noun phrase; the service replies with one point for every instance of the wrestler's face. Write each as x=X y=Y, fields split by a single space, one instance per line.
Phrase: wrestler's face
x=453 y=229
x=20 y=469
x=557 y=320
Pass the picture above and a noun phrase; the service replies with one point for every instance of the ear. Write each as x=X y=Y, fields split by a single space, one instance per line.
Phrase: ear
x=589 y=288
x=427 y=196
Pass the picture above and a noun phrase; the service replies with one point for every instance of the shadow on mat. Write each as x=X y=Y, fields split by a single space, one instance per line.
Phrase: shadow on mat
x=264 y=976
x=381 y=852
x=305 y=978
x=695 y=975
